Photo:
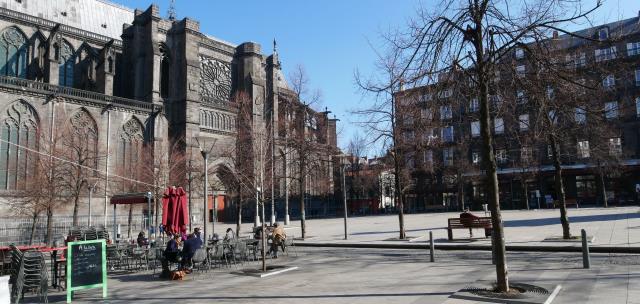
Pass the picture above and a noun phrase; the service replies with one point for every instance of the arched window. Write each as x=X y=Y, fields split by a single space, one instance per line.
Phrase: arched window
x=66 y=59
x=18 y=131
x=110 y=64
x=87 y=69
x=165 y=62
x=81 y=146
x=130 y=152
x=13 y=53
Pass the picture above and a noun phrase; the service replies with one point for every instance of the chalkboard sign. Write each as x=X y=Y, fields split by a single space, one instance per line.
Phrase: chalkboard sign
x=86 y=266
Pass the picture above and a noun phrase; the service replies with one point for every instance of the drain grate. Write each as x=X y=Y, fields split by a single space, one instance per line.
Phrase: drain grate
x=518 y=291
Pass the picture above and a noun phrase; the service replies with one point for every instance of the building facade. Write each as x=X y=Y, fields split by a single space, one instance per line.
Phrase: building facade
x=130 y=81
x=439 y=127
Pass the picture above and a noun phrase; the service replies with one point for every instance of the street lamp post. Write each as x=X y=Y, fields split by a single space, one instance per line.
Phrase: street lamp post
x=205 y=156
x=344 y=198
x=190 y=207
x=205 y=151
x=91 y=189
x=343 y=167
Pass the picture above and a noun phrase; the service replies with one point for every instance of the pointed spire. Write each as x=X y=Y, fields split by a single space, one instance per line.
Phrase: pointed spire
x=275 y=46
x=172 y=10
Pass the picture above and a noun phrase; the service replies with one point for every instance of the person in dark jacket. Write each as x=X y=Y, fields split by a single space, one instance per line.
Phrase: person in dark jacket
x=188 y=251
x=142 y=240
x=170 y=255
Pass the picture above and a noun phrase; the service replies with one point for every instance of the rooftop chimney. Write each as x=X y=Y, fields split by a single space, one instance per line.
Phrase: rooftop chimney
x=555 y=34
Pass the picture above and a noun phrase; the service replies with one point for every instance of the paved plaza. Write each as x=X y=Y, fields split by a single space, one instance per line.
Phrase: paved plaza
x=618 y=227
x=383 y=276
x=350 y=275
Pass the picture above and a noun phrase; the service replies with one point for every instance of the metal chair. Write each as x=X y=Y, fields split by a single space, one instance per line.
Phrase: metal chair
x=289 y=245
x=77 y=234
x=138 y=256
x=199 y=260
x=217 y=255
x=32 y=276
x=90 y=233
x=114 y=258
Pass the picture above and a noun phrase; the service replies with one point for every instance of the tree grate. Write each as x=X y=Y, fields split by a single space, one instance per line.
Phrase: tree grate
x=518 y=291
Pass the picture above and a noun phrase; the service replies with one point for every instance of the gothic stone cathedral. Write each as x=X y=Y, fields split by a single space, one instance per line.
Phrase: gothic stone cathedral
x=121 y=81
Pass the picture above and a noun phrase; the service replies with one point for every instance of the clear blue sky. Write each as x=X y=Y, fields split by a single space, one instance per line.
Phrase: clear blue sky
x=330 y=38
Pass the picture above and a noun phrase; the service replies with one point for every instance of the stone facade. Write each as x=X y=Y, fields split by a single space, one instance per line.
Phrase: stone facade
x=162 y=79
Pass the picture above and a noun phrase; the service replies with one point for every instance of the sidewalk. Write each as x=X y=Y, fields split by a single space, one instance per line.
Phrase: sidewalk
x=610 y=227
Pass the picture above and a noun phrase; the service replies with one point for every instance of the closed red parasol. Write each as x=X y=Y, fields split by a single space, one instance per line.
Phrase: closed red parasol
x=181 y=215
x=174 y=210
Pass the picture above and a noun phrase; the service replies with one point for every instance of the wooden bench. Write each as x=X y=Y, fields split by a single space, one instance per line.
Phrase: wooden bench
x=470 y=223
x=568 y=202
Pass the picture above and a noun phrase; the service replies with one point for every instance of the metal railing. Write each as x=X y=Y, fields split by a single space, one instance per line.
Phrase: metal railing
x=18 y=230
x=47 y=88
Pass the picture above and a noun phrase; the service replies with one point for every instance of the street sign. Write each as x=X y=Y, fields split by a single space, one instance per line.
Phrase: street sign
x=86 y=266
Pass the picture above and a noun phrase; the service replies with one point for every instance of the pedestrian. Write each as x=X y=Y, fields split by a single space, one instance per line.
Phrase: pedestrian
x=278 y=237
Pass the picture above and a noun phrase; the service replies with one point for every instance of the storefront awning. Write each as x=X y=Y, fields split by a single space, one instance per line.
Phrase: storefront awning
x=130 y=198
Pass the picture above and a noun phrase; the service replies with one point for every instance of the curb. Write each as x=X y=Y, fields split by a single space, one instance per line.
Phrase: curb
x=514 y=248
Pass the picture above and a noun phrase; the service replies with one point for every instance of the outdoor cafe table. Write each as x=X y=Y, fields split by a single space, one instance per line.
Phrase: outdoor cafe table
x=55 y=262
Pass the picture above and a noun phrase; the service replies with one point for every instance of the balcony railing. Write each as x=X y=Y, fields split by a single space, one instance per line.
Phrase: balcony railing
x=47 y=88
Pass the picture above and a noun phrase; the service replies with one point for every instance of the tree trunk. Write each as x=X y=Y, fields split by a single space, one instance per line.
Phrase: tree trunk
x=130 y=218
x=489 y=161
x=399 y=197
x=34 y=224
x=525 y=190
x=49 y=237
x=303 y=181
x=603 y=188
x=75 y=210
x=461 y=193
x=560 y=193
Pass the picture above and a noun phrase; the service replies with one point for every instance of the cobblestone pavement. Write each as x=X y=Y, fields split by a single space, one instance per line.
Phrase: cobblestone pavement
x=382 y=276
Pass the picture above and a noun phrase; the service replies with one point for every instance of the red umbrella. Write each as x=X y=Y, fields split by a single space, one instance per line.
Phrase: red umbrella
x=175 y=214
x=181 y=215
x=166 y=201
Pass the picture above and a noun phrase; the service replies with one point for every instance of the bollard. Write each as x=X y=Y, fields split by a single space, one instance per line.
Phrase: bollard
x=431 y=247
x=586 y=260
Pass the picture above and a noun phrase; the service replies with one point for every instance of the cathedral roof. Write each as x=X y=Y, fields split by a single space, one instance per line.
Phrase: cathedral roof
x=97 y=16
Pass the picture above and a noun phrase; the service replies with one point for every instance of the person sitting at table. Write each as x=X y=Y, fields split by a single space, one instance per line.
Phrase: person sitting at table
x=170 y=255
x=142 y=241
x=188 y=251
x=197 y=233
x=229 y=236
x=278 y=237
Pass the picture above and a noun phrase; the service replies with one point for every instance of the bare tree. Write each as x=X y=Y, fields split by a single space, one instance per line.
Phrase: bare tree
x=80 y=148
x=475 y=35
x=300 y=142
